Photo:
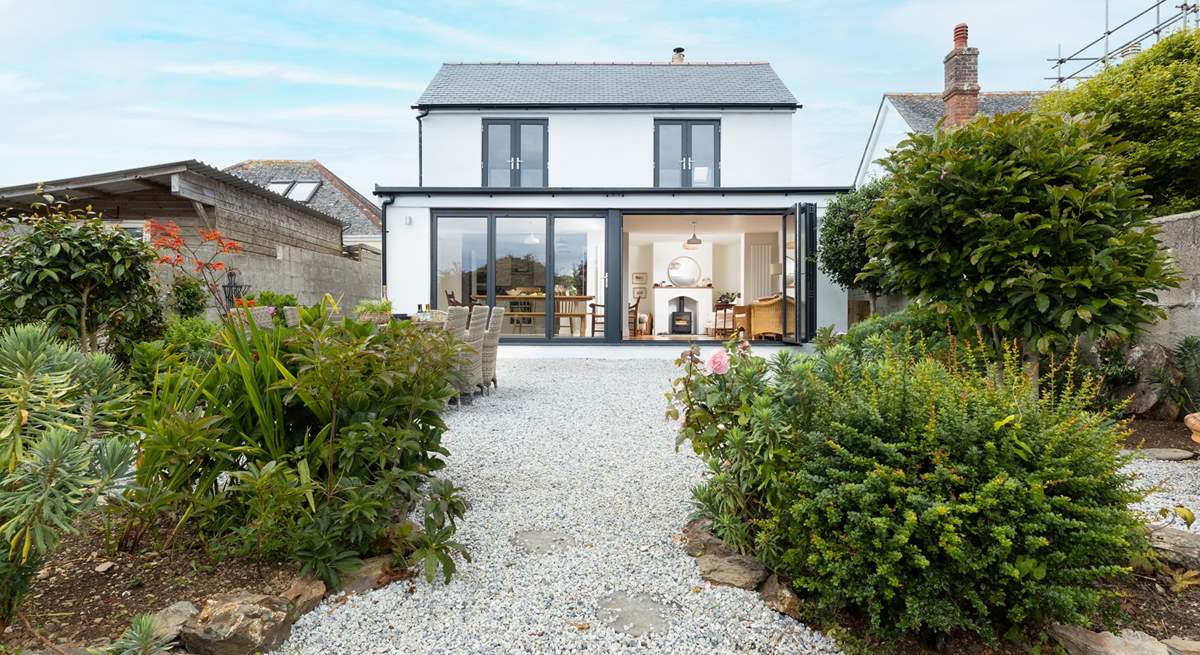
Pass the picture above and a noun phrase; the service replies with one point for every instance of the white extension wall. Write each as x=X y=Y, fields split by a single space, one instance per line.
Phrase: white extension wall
x=593 y=148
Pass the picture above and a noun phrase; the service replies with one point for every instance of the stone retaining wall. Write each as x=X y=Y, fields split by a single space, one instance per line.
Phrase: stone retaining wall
x=1180 y=236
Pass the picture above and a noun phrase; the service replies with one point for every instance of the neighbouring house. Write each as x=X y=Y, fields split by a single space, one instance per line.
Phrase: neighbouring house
x=900 y=114
x=310 y=183
x=611 y=202
x=287 y=246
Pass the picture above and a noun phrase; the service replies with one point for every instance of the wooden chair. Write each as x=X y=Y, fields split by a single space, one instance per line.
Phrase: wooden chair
x=597 y=318
x=723 y=320
x=451 y=301
x=631 y=317
x=741 y=320
x=572 y=310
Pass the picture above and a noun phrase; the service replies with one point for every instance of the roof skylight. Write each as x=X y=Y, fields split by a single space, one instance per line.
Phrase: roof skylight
x=298 y=190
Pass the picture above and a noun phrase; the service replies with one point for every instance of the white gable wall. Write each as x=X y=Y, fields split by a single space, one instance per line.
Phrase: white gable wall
x=889 y=130
x=610 y=148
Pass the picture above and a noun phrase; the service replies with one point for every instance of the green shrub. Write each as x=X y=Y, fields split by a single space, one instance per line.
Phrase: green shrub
x=1153 y=103
x=383 y=306
x=915 y=325
x=1025 y=226
x=195 y=338
x=90 y=281
x=926 y=495
x=331 y=427
x=188 y=297
x=842 y=253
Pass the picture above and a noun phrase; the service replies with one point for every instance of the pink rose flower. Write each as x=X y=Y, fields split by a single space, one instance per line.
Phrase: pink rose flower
x=718 y=362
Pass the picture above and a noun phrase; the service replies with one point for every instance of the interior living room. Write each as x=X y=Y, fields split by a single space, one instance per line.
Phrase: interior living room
x=690 y=277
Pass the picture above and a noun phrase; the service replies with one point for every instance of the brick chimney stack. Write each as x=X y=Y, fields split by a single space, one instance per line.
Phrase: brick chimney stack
x=677 y=56
x=961 y=96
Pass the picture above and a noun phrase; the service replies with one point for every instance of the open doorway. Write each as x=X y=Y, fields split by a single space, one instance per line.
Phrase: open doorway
x=707 y=276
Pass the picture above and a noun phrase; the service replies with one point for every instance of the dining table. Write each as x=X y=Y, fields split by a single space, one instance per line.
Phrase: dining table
x=572 y=307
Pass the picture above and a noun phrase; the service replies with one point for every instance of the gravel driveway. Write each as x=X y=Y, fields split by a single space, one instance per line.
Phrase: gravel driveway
x=578 y=450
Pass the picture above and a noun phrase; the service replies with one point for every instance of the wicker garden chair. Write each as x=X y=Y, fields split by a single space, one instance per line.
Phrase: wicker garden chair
x=491 y=347
x=472 y=365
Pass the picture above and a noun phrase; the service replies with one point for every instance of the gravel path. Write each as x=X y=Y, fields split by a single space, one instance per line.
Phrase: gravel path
x=579 y=448
x=1170 y=484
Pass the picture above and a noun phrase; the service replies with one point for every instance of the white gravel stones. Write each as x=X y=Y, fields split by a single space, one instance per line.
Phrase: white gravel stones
x=1169 y=484
x=578 y=447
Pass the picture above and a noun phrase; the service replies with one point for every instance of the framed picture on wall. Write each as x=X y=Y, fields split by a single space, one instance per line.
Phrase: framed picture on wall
x=640 y=278
x=639 y=292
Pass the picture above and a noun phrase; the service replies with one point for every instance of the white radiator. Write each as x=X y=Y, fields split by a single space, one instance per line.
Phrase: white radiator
x=758 y=282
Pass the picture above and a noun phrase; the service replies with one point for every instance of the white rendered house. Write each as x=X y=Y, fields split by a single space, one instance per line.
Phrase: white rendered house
x=611 y=201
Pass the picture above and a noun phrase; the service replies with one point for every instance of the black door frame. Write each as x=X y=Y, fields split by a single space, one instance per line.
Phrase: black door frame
x=514 y=136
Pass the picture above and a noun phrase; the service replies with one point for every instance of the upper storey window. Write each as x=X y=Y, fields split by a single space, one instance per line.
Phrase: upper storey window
x=514 y=152
x=687 y=153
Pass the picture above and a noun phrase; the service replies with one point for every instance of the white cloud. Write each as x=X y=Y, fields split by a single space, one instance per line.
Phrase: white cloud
x=286 y=73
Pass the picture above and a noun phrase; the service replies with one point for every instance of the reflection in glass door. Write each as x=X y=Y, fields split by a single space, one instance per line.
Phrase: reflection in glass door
x=520 y=284
x=579 y=277
x=791 y=270
x=462 y=261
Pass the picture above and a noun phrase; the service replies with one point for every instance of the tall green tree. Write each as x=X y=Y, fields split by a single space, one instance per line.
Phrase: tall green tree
x=1026 y=225
x=842 y=254
x=64 y=266
x=1153 y=103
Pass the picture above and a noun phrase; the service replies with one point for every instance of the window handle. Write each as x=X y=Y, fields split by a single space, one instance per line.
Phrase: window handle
x=518 y=159
x=512 y=163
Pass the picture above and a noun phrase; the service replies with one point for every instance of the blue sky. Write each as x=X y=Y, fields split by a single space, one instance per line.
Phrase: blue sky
x=88 y=86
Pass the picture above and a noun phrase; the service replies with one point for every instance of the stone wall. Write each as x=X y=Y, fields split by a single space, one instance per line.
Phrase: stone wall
x=310 y=275
x=1180 y=236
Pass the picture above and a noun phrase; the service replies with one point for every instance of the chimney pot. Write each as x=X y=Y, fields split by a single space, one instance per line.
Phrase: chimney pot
x=677 y=57
x=960 y=36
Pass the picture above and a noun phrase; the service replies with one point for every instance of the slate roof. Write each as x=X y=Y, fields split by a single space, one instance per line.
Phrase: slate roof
x=334 y=197
x=598 y=84
x=923 y=110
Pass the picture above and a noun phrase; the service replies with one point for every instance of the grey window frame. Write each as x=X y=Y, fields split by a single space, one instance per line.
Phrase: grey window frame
x=686 y=148
x=514 y=134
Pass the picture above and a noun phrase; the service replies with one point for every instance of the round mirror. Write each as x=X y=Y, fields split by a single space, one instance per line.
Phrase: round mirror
x=683 y=272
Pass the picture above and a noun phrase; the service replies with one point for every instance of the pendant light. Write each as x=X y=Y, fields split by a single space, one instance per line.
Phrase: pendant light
x=694 y=242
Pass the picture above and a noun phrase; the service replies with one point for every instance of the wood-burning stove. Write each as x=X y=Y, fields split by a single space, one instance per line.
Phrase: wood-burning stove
x=681 y=319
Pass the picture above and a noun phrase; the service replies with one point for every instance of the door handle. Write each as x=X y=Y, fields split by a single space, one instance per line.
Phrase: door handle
x=518 y=163
x=606 y=280
x=512 y=163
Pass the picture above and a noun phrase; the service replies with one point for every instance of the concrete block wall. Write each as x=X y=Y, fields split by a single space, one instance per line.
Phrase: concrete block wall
x=1180 y=236
x=310 y=275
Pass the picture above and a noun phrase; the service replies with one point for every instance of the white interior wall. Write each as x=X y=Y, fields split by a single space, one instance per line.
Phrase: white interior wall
x=727 y=268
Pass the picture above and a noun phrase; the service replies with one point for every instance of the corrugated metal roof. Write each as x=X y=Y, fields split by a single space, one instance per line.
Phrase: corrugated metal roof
x=923 y=110
x=584 y=84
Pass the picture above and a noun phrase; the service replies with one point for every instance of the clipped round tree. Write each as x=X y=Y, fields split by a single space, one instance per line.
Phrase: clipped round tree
x=842 y=254
x=67 y=268
x=1026 y=226
x=1153 y=103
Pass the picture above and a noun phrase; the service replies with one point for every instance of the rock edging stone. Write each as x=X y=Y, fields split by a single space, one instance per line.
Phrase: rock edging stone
x=721 y=565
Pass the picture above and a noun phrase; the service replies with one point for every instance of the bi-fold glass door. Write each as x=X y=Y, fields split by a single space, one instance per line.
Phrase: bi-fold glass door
x=549 y=271
x=800 y=273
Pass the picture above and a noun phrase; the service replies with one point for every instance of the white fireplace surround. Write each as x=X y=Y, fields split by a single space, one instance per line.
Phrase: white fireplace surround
x=696 y=300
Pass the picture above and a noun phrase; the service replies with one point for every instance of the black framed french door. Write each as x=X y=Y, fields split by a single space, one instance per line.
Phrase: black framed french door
x=687 y=153
x=515 y=152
